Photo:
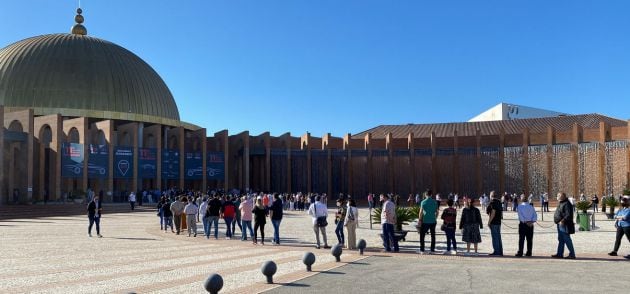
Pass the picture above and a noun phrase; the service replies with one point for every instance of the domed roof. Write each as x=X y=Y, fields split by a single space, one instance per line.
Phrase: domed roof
x=79 y=75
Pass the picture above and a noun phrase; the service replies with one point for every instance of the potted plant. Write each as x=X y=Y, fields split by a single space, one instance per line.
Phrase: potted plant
x=582 y=216
x=404 y=215
x=611 y=202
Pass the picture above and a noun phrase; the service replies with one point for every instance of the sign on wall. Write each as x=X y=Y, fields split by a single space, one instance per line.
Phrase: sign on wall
x=123 y=162
x=72 y=160
x=193 y=164
x=98 y=161
x=170 y=164
x=147 y=163
x=215 y=167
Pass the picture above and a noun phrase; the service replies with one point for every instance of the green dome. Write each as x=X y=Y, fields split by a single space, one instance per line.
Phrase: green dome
x=79 y=75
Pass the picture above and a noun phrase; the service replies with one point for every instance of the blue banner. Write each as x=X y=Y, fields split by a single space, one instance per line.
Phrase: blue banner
x=170 y=164
x=215 y=166
x=147 y=163
x=193 y=164
x=123 y=162
x=98 y=161
x=72 y=160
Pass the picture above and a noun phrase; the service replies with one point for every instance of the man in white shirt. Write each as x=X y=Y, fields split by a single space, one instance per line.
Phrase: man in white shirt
x=527 y=217
x=388 y=220
x=319 y=210
x=202 y=214
x=132 y=200
x=191 y=211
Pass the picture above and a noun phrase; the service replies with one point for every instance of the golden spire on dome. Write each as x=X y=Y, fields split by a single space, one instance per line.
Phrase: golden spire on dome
x=78 y=28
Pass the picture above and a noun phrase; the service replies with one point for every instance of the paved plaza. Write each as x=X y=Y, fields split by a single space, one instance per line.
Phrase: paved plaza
x=46 y=250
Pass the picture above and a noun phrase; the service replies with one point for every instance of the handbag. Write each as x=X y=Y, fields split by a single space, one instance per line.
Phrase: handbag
x=443 y=227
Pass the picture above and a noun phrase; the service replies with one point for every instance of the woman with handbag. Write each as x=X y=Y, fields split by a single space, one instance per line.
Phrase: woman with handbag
x=449 y=216
x=260 y=218
x=351 y=223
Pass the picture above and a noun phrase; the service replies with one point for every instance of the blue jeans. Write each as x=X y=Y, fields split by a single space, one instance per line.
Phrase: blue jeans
x=388 y=237
x=228 y=226
x=450 y=239
x=497 y=244
x=276 y=230
x=213 y=220
x=168 y=221
x=564 y=239
x=206 y=226
x=94 y=220
x=247 y=225
x=339 y=232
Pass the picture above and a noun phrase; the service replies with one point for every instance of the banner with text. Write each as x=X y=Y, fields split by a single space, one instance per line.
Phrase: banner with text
x=98 y=160
x=123 y=162
x=72 y=160
x=170 y=164
x=193 y=164
x=215 y=166
x=147 y=163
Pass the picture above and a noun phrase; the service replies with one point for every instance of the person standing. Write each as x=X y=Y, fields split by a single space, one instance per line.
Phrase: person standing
x=275 y=214
x=237 y=216
x=94 y=210
x=132 y=200
x=212 y=214
x=319 y=212
x=191 y=211
x=449 y=216
x=622 y=223
x=260 y=218
x=351 y=222
x=340 y=217
x=388 y=220
x=527 y=217
x=563 y=217
x=495 y=214
x=168 y=215
x=428 y=217
x=202 y=214
x=595 y=202
x=228 y=211
x=470 y=223
x=246 y=208
x=177 y=208
x=370 y=199
x=456 y=201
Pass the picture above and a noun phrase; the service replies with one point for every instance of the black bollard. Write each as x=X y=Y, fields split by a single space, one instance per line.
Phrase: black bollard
x=213 y=283
x=336 y=251
x=268 y=269
x=361 y=245
x=308 y=260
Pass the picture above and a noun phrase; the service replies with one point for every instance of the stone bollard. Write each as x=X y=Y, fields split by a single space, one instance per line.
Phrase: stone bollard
x=268 y=269
x=213 y=284
x=361 y=245
x=336 y=251
x=308 y=260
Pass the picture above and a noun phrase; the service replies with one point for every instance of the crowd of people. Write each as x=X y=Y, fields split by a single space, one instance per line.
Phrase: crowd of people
x=240 y=210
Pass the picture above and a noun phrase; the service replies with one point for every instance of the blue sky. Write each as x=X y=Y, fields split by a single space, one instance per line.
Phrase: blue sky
x=346 y=66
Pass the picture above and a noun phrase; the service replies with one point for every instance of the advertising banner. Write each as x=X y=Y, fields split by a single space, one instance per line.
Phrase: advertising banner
x=123 y=162
x=147 y=163
x=193 y=165
x=72 y=160
x=215 y=166
x=97 y=161
x=170 y=164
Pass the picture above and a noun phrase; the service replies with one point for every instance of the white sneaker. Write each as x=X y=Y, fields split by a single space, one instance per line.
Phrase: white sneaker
x=90 y=235
x=447 y=252
x=466 y=253
x=420 y=252
x=100 y=236
x=453 y=252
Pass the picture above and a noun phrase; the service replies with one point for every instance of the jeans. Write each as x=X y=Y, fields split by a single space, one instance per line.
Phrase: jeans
x=132 y=204
x=262 y=232
x=214 y=220
x=276 y=230
x=247 y=225
x=339 y=232
x=237 y=221
x=620 y=232
x=564 y=239
x=497 y=244
x=388 y=237
x=168 y=221
x=206 y=226
x=161 y=215
x=423 y=232
x=525 y=232
x=228 y=226
x=94 y=220
x=450 y=239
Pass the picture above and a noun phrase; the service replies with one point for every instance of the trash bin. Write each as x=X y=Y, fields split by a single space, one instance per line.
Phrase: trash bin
x=584 y=221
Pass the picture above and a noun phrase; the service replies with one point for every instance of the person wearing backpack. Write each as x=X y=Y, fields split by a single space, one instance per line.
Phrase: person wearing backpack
x=449 y=216
x=351 y=222
x=228 y=211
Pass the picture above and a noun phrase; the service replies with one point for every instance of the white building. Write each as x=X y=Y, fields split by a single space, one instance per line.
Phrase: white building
x=508 y=111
